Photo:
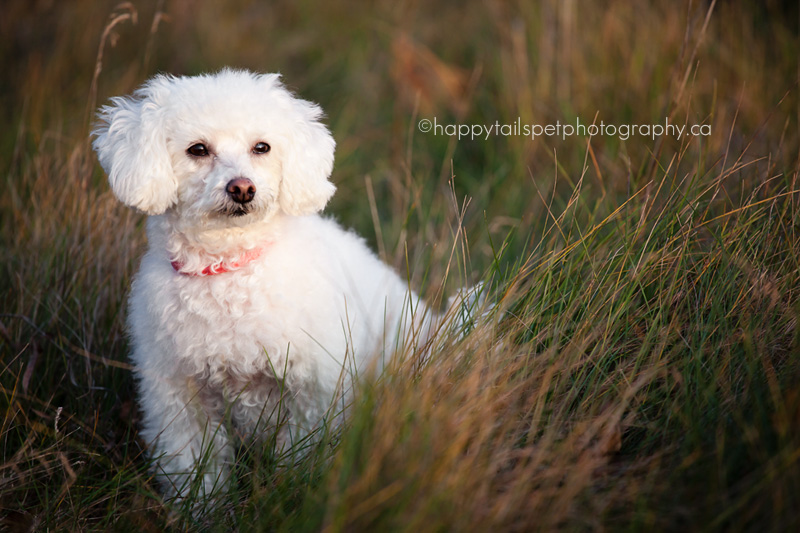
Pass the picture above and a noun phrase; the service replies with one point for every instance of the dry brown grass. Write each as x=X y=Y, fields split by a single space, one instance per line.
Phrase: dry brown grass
x=641 y=371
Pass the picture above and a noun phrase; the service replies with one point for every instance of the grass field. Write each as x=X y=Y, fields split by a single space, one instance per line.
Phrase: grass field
x=643 y=370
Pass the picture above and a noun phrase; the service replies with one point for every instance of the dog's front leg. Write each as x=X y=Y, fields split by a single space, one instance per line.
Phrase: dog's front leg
x=183 y=423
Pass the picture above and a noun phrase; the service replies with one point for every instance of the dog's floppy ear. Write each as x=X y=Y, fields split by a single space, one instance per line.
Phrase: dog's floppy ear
x=307 y=162
x=130 y=141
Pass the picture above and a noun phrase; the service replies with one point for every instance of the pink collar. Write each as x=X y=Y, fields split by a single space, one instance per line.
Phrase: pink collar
x=223 y=266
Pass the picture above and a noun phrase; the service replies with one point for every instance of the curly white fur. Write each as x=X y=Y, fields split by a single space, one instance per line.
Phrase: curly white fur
x=302 y=306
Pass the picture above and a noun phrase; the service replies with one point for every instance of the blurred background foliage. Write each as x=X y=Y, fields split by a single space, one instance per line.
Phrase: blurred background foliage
x=645 y=372
x=378 y=67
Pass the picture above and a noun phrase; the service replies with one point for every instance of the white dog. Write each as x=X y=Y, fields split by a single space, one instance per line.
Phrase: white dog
x=248 y=306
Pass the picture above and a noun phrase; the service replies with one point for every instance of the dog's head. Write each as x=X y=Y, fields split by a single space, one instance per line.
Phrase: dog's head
x=226 y=148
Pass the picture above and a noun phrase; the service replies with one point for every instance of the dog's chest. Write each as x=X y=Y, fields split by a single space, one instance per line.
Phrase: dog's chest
x=230 y=320
x=283 y=315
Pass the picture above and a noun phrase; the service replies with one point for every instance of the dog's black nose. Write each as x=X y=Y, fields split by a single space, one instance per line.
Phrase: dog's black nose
x=241 y=190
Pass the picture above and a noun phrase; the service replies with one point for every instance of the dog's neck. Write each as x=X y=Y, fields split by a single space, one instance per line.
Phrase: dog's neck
x=221 y=267
x=198 y=251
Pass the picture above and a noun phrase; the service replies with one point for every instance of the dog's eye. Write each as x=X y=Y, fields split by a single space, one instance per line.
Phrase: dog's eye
x=198 y=150
x=261 y=148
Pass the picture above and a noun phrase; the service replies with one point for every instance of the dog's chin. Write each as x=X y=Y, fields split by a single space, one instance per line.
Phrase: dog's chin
x=237 y=215
x=234 y=212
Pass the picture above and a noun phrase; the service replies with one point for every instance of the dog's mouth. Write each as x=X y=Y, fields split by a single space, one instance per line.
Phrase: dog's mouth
x=234 y=211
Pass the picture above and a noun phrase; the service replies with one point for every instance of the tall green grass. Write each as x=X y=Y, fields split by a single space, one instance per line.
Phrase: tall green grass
x=640 y=368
